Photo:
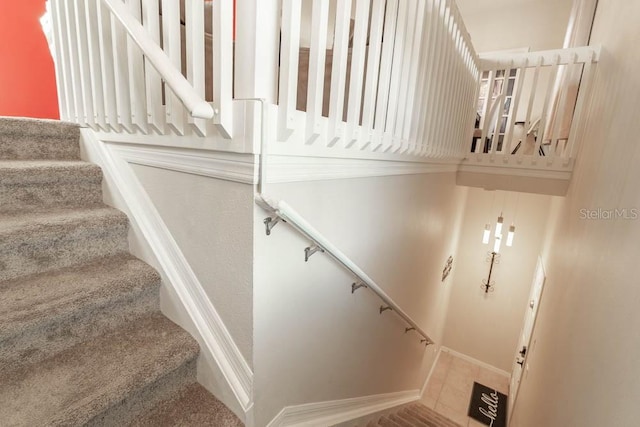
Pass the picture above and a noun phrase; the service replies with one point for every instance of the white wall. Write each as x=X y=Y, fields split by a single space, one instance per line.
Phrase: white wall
x=510 y=24
x=583 y=367
x=486 y=326
x=314 y=340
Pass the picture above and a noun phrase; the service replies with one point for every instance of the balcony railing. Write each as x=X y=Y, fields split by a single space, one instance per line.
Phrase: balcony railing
x=524 y=115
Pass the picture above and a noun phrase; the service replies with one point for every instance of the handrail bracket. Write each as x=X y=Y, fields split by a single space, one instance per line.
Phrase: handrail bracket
x=384 y=308
x=271 y=222
x=310 y=250
x=356 y=286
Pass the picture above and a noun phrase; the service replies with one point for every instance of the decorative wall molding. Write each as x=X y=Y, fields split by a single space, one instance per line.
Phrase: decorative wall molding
x=509 y=166
x=242 y=167
x=214 y=164
x=305 y=168
x=337 y=411
x=217 y=339
x=476 y=361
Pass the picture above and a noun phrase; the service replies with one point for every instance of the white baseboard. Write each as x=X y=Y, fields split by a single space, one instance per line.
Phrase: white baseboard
x=218 y=341
x=433 y=368
x=337 y=411
x=475 y=361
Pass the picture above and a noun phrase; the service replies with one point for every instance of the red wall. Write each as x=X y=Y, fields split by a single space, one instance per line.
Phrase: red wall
x=27 y=76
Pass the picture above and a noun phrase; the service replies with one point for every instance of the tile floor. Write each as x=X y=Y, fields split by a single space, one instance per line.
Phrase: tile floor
x=449 y=388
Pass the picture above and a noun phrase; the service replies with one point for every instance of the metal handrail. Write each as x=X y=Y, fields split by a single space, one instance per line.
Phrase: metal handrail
x=288 y=214
x=285 y=212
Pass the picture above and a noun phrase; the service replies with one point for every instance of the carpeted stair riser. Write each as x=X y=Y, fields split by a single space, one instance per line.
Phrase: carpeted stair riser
x=51 y=312
x=23 y=139
x=144 y=399
x=190 y=406
x=417 y=416
x=37 y=185
x=92 y=381
x=35 y=245
x=430 y=415
x=386 y=422
x=415 y=421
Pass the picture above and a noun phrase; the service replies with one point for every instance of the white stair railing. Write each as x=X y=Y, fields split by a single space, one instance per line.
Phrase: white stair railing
x=518 y=117
x=402 y=79
x=116 y=74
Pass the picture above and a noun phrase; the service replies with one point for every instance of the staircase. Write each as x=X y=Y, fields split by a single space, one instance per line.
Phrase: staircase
x=82 y=340
x=416 y=415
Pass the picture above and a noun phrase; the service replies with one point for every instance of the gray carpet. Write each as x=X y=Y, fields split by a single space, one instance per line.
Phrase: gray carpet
x=416 y=415
x=82 y=340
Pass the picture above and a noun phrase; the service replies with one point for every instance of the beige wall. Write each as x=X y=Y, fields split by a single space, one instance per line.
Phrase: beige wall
x=314 y=340
x=486 y=326
x=510 y=24
x=583 y=367
x=210 y=220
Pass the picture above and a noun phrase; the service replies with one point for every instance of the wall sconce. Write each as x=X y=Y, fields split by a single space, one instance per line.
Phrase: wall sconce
x=494 y=255
x=447 y=268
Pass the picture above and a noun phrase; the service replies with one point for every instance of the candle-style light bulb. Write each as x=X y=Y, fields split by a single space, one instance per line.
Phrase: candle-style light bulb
x=496 y=245
x=486 y=234
x=512 y=232
x=499 y=226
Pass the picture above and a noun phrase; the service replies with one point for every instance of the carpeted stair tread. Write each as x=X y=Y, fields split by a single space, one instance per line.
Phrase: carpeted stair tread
x=433 y=416
x=14 y=224
x=24 y=138
x=388 y=422
x=83 y=382
x=35 y=308
x=41 y=241
x=423 y=422
x=412 y=418
x=400 y=420
x=191 y=406
x=414 y=415
x=19 y=171
x=30 y=185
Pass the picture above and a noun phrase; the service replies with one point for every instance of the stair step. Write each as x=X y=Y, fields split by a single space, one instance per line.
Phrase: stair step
x=431 y=415
x=402 y=421
x=424 y=422
x=102 y=381
x=22 y=138
x=411 y=419
x=192 y=406
x=43 y=314
x=28 y=185
x=44 y=241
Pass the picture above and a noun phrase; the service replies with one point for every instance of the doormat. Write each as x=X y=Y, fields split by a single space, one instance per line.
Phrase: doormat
x=488 y=406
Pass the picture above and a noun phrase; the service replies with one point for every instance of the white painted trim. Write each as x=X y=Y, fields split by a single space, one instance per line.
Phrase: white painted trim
x=241 y=167
x=337 y=411
x=182 y=279
x=475 y=361
x=305 y=168
x=214 y=164
x=423 y=390
x=504 y=169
